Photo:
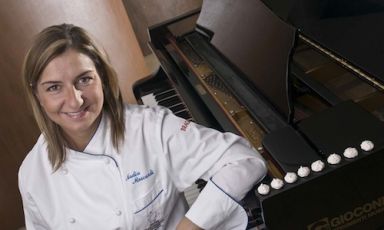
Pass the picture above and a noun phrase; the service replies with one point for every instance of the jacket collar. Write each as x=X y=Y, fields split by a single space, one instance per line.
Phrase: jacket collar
x=100 y=143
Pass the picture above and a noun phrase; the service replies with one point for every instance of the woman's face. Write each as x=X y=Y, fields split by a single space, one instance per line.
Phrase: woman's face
x=71 y=94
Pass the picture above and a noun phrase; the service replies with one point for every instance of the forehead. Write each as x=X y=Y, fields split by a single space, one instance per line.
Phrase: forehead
x=66 y=65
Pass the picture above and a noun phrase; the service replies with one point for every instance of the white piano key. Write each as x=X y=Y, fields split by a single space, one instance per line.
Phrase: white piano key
x=149 y=99
x=191 y=193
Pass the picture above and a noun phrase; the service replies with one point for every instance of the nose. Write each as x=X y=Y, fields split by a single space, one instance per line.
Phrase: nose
x=74 y=98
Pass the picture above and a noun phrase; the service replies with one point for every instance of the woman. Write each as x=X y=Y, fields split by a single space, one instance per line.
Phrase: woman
x=100 y=164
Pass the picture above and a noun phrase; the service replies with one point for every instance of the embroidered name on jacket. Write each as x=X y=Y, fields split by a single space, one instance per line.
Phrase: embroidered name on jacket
x=137 y=176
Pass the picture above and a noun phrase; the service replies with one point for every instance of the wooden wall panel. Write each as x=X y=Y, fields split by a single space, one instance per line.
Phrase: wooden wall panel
x=145 y=13
x=20 y=20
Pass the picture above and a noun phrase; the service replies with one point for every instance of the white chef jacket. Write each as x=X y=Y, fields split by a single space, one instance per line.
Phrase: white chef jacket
x=140 y=185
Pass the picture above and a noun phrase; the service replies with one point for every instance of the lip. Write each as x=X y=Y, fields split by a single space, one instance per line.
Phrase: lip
x=77 y=115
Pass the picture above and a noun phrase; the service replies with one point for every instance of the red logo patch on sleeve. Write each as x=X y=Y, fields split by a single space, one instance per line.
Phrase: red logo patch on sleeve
x=185 y=125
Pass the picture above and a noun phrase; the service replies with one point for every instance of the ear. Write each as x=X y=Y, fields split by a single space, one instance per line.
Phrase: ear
x=37 y=97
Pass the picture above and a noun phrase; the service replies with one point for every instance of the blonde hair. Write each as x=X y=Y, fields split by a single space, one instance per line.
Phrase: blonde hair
x=50 y=43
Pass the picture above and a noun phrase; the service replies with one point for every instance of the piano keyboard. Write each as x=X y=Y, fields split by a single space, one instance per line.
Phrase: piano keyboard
x=168 y=97
x=191 y=193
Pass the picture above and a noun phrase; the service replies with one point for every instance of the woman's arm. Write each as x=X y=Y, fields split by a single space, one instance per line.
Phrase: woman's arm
x=228 y=162
x=32 y=215
x=186 y=224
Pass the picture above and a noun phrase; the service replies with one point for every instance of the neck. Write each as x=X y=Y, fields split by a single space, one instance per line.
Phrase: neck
x=79 y=141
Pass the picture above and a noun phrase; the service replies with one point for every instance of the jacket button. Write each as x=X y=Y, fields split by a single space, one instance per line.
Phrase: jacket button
x=118 y=213
x=29 y=197
x=64 y=171
x=107 y=161
x=72 y=220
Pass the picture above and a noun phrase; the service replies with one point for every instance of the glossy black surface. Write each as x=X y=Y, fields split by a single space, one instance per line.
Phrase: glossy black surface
x=255 y=42
x=353 y=29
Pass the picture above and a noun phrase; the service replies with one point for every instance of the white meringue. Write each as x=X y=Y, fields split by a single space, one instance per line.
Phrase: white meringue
x=263 y=189
x=303 y=171
x=317 y=166
x=334 y=159
x=277 y=183
x=367 y=145
x=350 y=152
x=290 y=177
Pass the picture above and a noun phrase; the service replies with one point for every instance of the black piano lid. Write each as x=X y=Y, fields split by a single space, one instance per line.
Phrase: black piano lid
x=255 y=42
x=352 y=29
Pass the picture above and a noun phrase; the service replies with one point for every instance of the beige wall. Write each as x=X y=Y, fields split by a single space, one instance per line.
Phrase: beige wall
x=19 y=21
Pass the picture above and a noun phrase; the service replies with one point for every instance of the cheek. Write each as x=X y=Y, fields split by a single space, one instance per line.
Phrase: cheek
x=99 y=94
x=49 y=104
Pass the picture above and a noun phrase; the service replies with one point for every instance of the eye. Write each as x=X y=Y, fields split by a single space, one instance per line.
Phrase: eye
x=85 y=80
x=53 y=88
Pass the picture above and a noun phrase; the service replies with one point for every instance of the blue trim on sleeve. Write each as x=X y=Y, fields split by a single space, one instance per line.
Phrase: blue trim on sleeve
x=224 y=192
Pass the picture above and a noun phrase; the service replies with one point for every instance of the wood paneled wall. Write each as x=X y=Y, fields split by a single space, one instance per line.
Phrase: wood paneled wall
x=146 y=13
x=20 y=20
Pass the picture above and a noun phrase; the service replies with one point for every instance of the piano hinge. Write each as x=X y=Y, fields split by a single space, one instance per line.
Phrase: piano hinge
x=343 y=62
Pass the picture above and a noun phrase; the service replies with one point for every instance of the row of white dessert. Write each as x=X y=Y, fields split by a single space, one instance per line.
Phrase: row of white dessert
x=316 y=166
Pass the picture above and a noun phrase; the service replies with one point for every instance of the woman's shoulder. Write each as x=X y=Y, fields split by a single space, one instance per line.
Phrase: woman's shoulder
x=135 y=108
x=144 y=111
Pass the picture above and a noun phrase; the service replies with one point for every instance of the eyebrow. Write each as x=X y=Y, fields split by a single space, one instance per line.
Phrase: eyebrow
x=55 y=82
x=49 y=82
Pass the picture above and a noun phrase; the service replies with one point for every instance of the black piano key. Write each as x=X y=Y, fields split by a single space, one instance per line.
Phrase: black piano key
x=165 y=94
x=168 y=102
x=177 y=107
x=184 y=114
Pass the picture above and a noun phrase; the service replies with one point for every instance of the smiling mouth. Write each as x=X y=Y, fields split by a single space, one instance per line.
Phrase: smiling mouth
x=78 y=114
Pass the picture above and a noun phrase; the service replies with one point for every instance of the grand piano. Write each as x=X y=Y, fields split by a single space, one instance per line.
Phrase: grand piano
x=301 y=80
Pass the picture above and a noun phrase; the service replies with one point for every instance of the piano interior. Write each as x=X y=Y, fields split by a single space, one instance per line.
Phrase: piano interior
x=285 y=77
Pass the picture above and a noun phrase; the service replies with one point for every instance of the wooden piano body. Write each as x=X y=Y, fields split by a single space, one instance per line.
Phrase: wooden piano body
x=288 y=78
